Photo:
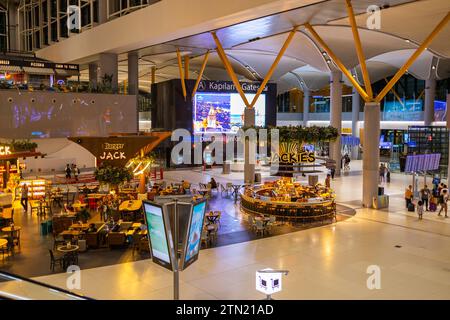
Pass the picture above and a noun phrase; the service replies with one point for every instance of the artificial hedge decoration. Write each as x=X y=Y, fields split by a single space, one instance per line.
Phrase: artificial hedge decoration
x=303 y=134
x=22 y=145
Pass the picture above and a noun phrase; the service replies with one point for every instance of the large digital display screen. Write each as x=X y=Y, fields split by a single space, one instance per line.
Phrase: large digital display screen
x=35 y=115
x=422 y=162
x=224 y=112
x=157 y=235
x=194 y=235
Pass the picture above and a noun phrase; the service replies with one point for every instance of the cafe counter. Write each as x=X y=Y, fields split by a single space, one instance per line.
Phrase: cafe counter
x=290 y=201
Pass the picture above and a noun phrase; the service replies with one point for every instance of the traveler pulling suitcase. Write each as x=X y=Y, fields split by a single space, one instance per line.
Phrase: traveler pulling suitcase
x=433 y=207
x=411 y=207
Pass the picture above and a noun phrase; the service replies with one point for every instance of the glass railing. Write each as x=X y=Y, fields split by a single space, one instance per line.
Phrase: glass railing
x=13 y=287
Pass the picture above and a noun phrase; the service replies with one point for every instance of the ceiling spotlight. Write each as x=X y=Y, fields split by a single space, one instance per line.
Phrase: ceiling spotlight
x=324 y=53
x=328 y=61
x=354 y=76
x=433 y=67
x=407 y=40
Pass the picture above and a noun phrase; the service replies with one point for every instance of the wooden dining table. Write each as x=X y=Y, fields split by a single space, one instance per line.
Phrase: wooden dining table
x=79 y=206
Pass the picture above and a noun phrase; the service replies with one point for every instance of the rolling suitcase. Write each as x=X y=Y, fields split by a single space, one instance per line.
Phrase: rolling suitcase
x=433 y=207
x=411 y=207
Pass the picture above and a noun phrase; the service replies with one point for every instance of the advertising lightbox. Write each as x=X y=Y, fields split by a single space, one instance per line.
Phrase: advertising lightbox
x=194 y=234
x=160 y=238
x=224 y=112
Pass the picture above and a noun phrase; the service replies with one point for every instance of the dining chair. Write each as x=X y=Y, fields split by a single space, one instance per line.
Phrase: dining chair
x=219 y=215
x=205 y=238
x=55 y=260
x=260 y=227
x=251 y=222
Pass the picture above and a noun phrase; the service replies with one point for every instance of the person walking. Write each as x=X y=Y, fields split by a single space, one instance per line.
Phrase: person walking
x=420 y=209
x=328 y=181
x=382 y=172
x=444 y=206
x=425 y=194
x=332 y=170
x=24 y=197
x=68 y=172
x=408 y=196
x=76 y=172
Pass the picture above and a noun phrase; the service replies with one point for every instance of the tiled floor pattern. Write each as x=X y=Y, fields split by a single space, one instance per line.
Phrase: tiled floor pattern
x=328 y=262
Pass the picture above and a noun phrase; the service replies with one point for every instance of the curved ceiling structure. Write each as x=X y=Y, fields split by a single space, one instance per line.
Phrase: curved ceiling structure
x=252 y=46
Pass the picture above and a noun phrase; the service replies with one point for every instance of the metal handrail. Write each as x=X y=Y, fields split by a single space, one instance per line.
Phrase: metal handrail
x=9 y=295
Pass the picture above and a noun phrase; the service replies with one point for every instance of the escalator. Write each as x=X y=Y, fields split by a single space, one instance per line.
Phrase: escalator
x=13 y=287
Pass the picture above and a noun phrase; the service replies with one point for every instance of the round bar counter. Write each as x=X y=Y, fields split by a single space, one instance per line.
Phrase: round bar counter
x=254 y=200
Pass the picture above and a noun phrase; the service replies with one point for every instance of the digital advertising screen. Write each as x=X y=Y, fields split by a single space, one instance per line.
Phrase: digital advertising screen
x=224 y=112
x=440 y=110
x=158 y=237
x=194 y=235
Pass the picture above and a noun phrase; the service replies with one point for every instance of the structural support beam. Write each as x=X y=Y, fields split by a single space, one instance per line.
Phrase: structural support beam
x=338 y=62
x=430 y=95
x=306 y=103
x=133 y=73
x=371 y=152
x=180 y=68
x=413 y=58
x=356 y=98
x=186 y=67
x=274 y=65
x=229 y=69
x=153 y=75
x=200 y=74
x=359 y=50
x=336 y=117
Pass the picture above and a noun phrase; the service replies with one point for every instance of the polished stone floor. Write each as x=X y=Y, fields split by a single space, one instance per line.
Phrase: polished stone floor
x=33 y=259
x=328 y=262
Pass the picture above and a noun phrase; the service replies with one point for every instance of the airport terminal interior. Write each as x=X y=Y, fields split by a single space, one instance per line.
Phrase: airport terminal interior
x=173 y=149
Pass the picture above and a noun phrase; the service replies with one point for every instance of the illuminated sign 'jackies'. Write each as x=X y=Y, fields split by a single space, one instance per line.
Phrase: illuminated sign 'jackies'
x=5 y=150
x=301 y=157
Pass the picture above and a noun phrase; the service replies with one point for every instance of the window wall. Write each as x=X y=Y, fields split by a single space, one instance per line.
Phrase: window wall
x=42 y=22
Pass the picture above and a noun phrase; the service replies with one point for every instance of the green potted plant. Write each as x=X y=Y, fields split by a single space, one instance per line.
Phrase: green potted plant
x=113 y=176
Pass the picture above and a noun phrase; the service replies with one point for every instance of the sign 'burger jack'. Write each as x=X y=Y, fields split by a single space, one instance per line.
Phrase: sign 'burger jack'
x=116 y=151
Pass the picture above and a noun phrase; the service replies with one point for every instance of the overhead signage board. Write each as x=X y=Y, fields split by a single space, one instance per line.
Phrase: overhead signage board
x=160 y=237
x=194 y=234
x=228 y=86
x=422 y=162
x=268 y=283
x=115 y=151
x=38 y=64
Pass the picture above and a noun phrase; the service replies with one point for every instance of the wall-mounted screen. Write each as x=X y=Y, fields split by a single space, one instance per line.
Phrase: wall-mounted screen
x=157 y=234
x=194 y=235
x=224 y=112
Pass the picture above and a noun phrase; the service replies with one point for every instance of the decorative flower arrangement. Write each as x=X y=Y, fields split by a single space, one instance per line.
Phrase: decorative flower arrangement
x=114 y=176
